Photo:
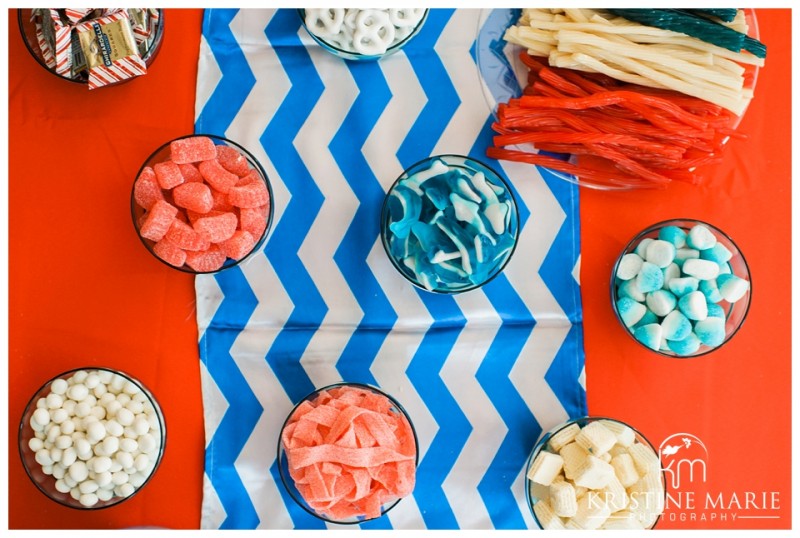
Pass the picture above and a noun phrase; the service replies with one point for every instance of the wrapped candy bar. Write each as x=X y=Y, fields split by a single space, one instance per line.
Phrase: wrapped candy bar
x=110 y=49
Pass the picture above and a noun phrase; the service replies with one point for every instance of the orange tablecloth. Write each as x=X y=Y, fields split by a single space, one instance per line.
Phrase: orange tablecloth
x=84 y=292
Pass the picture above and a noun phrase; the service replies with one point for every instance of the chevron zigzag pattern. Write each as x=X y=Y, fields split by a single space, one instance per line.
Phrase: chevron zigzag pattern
x=481 y=374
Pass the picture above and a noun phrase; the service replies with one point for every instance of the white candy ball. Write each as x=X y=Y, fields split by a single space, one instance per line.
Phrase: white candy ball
x=88 y=486
x=63 y=441
x=69 y=480
x=116 y=467
x=54 y=401
x=117 y=383
x=124 y=417
x=69 y=406
x=110 y=445
x=112 y=408
x=119 y=478
x=88 y=499
x=59 y=471
x=128 y=445
x=78 y=471
x=101 y=464
x=114 y=428
x=82 y=446
x=78 y=392
x=92 y=380
x=105 y=494
x=41 y=403
x=52 y=433
x=131 y=388
x=41 y=416
x=139 y=397
x=47 y=469
x=103 y=479
x=68 y=457
x=125 y=459
x=100 y=390
x=124 y=490
x=135 y=407
x=75 y=493
x=59 y=386
x=141 y=426
x=137 y=479
x=141 y=462
x=62 y=486
x=105 y=376
x=123 y=399
x=42 y=457
x=130 y=433
x=79 y=376
x=106 y=398
x=147 y=443
x=56 y=454
x=60 y=415
x=82 y=409
x=68 y=427
x=98 y=412
x=35 y=444
x=95 y=432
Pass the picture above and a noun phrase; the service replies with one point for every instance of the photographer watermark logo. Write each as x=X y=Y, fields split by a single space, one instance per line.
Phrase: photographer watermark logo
x=686 y=463
x=684 y=459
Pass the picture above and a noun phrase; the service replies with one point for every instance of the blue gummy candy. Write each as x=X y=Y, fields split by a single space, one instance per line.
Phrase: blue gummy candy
x=687 y=346
x=650 y=278
x=674 y=235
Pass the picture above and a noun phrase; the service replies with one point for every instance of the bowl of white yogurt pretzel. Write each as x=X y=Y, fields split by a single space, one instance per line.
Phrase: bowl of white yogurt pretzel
x=362 y=34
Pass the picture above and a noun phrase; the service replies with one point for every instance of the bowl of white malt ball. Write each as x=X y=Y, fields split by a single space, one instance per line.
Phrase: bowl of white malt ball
x=91 y=437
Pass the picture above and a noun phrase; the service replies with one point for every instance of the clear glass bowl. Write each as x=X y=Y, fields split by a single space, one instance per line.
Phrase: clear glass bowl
x=47 y=483
x=355 y=55
x=735 y=313
x=650 y=507
x=283 y=465
x=162 y=154
x=469 y=167
x=27 y=30
x=504 y=76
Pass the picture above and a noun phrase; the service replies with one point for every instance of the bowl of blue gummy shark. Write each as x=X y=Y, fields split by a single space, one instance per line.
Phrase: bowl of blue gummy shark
x=449 y=224
x=681 y=288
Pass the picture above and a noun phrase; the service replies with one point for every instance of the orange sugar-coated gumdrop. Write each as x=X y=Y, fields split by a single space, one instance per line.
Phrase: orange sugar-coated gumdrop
x=147 y=191
x=184 y=236
x=192 y=149
x=206 y=261
x=232 y=161
x=194 y=196
x=168 y=174
x=158 y=221
x=170 y=252
x=217 y=228
x=254 y=219
x=221 y=202
x=217 y=176
x=253 y=194
x=190 y=173
x=239 y=245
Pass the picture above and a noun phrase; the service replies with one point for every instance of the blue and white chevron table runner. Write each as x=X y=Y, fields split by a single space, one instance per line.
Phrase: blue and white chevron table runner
x=481 y=374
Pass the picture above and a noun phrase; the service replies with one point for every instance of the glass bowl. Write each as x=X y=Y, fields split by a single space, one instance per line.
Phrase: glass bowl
x=349 y=53
x=442 y=230
x=355 y=395
x=635 y=501
x=252 y=223
x=699 y=334
x=504 y=76
x=27 y=29
x=79 y=464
